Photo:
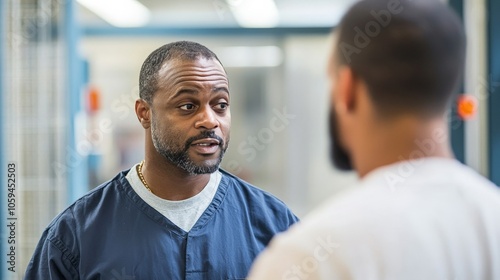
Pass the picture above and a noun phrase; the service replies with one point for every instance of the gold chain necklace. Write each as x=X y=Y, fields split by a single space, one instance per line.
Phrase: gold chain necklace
x=139 y=172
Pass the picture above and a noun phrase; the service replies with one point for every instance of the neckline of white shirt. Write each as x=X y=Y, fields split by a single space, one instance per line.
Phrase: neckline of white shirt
x=414 y=165
x=203 y=197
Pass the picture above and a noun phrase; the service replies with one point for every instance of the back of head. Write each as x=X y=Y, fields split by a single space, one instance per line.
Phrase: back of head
x=181 y=50
x=409 y=53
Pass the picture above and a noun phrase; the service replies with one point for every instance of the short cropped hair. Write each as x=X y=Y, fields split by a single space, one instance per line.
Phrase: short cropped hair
x=410 y=53
x=182 y=50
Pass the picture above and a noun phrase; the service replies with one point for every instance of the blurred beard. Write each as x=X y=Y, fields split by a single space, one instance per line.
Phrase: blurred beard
x=166 y=144
x=338 y=155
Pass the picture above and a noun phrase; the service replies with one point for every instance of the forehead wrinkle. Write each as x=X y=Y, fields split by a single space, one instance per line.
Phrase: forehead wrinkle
x=195 y=73
x=199 y=79
x=171 y=66
x=171 y=75
x=198 y=74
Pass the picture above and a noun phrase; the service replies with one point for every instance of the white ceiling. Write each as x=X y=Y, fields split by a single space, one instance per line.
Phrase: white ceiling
x=217 y=13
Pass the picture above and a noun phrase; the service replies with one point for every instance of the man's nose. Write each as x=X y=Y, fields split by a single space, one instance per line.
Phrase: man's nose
x=206 y=118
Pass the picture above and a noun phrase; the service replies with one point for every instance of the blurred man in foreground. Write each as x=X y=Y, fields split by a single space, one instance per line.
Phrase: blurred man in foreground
x=174 y=215
x=418 y=213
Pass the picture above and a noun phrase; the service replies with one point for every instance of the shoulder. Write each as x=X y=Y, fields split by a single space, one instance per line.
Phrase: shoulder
x=479 y=187
x=329 y=239
x=60 y=247
x=251 y=193
x=354 y=218
x=308 y=250
x=70 y=220
x=263 y=207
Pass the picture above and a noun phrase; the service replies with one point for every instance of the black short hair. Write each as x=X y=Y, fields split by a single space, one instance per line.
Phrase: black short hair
x=183 y=50
x=410 y=53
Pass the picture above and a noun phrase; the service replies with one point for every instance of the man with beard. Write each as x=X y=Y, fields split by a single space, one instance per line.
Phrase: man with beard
x=418 y=213
x=174 y=215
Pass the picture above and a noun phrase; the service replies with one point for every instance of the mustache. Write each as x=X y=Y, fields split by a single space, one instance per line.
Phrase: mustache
x=204 y=135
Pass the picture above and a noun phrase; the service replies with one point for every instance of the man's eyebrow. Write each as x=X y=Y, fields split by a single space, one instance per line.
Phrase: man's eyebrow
x=224 y=89
x=195 y=92
x=185 y=91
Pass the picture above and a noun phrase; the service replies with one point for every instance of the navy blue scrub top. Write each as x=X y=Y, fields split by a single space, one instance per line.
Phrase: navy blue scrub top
x=111 y=233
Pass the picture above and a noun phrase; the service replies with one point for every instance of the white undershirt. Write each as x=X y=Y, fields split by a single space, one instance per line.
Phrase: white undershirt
x=183 y=213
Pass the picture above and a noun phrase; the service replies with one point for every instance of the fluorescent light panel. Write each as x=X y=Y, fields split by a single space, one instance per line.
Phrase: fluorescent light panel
x=120 y=13
x=255 y=13
x=245 y=56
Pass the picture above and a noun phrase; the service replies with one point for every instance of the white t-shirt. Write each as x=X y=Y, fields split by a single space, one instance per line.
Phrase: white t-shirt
x=183 y=213
x=424 y=219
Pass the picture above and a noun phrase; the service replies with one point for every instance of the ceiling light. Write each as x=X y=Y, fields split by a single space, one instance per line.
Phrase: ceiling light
x=255 y=13
x=120 y=13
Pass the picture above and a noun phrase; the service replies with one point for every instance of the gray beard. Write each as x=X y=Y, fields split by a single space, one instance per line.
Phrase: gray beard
x=180 y=157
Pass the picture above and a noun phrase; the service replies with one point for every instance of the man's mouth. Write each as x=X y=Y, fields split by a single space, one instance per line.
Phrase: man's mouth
x=206 y=142
x=206 y=146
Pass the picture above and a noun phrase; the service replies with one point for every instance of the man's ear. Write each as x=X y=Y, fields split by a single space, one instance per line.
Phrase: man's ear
x=143 y=112
x=347 y=85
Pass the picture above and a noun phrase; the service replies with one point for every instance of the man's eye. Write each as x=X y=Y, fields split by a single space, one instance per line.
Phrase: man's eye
x=222 y=106
x=187 y=107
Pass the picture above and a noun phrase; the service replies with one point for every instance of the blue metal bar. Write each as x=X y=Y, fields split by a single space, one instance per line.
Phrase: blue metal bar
x=494 y=89
x=3 y=163
x=231 y=31
x=76 y=163
x=457 y=127
x=458 y=6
